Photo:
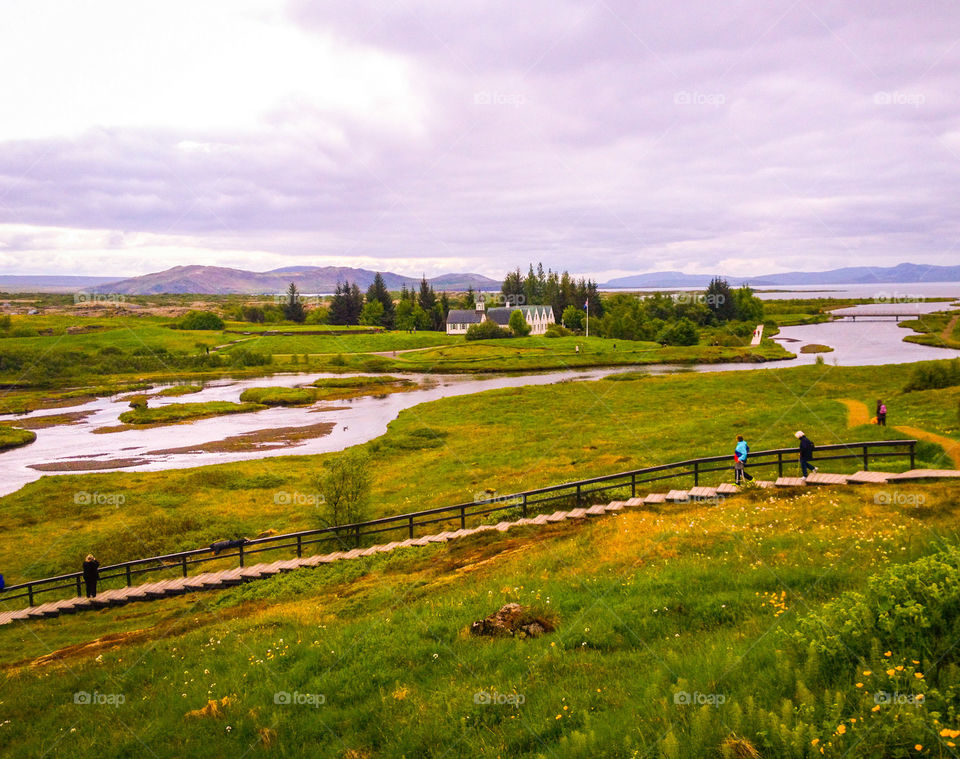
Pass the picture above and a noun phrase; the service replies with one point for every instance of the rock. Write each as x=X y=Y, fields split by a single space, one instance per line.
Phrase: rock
x=512 y=620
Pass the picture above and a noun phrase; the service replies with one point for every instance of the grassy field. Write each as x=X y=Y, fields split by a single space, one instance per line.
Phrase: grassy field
x=12 y=437
x=339 y=388
x=702 y=630
x=172 y=413
x=940 y=330
x=450 y=450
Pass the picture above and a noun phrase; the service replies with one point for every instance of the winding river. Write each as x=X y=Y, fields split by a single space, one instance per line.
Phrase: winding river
x=340 y=424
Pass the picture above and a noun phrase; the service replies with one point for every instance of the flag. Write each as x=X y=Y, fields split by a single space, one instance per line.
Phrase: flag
x=587 y=304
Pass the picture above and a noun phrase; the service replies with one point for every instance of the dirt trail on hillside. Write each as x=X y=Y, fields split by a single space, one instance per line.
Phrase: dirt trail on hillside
x=947 y=334
x=858 y=414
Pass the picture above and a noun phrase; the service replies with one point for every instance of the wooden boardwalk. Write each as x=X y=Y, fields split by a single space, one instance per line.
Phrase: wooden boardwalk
x=230 y=577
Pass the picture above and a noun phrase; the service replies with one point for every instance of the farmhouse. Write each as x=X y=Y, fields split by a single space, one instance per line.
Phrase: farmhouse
x=538 y=317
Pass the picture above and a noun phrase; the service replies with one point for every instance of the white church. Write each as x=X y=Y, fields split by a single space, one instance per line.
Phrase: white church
x=538 y=317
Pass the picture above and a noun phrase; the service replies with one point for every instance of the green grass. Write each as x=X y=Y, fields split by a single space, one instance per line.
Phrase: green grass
x=447 y=451
x=940 y=329
x=338 y=388
x=816 y=348
x=710 y=599
x=334 y=344
x=173 y=413
x=13 y=437
x=178 y=390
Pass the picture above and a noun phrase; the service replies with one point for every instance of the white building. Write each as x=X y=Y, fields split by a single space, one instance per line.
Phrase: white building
x=538 y=317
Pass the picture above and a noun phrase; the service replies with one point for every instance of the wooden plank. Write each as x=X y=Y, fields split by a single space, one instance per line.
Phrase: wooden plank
x=826 y=478
x=655 y=498
x=868 y=478
x=924 y=474
x=678 y=496
x=701 y=493
x=727 y=488
x=789 y=482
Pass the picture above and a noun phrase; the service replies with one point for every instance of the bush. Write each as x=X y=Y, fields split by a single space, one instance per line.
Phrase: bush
x=934 y=375
x=557 y=330
x=487 y=330
x=200 y=320
x=682 y=332
x=518 y=324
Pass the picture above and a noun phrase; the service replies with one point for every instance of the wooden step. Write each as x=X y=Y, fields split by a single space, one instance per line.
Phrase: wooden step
x=678 y=496
x=914 y=475
x=540 y=519
x=634 y=502
x=763 y=483
x=727 y=488
x=868 y=478
x=614 y=507
x=655 y=498
x=825 y=478
x=789 y=482
x=702 y=493
x=557 y=516
x=576 y=514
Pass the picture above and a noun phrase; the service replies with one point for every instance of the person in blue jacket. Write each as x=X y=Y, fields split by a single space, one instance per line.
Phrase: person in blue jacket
x=740 y=453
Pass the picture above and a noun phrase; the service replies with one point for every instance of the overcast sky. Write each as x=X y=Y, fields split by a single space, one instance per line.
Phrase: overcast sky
x=608 y=137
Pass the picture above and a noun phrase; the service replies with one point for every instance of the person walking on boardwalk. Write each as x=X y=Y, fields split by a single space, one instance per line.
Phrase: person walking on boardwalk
x=740 y=453
x=881 y=413
x=91 y=573
x=806 y=453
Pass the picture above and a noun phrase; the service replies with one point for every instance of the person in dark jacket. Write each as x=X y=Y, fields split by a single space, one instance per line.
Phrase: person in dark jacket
x=806 y=453
x=91 y=573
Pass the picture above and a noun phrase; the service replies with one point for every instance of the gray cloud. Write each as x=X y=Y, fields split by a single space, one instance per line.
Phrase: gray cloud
x=598 y=137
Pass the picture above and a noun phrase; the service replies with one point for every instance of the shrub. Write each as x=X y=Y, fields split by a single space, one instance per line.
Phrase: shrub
x=934 y=375
x=681 y=332
x=557 y=330
x=345 y=485
x=518 y=324
x=487 y=330
x=200 y=320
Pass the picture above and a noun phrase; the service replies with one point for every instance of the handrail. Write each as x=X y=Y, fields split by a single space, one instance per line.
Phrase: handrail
x=407 y=523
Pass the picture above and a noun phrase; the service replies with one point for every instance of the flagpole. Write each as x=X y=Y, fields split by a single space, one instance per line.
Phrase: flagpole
x=588 y=317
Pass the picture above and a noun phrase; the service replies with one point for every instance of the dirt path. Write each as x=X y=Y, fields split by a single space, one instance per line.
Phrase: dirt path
x=947 y=334
x=858 y=413
x=951 y=446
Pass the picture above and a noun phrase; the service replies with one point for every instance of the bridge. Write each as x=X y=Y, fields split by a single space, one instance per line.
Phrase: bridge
x=868 y=315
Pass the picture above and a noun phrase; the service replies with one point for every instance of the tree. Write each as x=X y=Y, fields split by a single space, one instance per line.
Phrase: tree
x=340 y=305
x=252 y=314
x=748 y=307
x=372 y=314
x=486 y=330
x=318 y=315
x=293 y=306
x=378 y=291
x=355 y=302
x=403 y=315
x=573 y=317
x=682 y=332
x=720 y=300
x=200 y=320
x=518 y=324
x=469 y=300
x=344 y=484
x=427 y=298
x=512 y=288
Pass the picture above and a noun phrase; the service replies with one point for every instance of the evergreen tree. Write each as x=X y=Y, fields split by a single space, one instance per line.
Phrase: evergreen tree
x=355 y=299
x=378 y=292
x=719 y=299
x=340 y=305
x=427 y=298
x=512 y=288
x=293 y=306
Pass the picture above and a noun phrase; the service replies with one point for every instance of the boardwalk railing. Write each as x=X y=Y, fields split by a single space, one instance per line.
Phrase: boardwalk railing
x=403 y=526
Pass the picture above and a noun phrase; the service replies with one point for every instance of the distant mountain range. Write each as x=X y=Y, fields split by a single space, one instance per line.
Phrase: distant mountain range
x=217 y=280
x=855 y=275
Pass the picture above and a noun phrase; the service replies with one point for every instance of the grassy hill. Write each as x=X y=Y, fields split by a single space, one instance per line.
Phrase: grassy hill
x=768 y=625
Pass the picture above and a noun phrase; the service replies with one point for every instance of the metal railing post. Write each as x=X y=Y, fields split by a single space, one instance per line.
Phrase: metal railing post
x=912 y=444
x=524 y=509
x=866 y=461
x=633 y=484
x=299 y=546
x=240 y=552
x=30 y=594
x=463 y=514
x=129 y=583
x=357 y=536
x=578 y=494
x=411 y=526
x=79 y=588
x=183 y=560
x=696 y=473
x=779 y=463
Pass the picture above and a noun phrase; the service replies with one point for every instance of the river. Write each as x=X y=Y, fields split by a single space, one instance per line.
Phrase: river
x=76 y=447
